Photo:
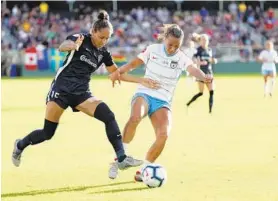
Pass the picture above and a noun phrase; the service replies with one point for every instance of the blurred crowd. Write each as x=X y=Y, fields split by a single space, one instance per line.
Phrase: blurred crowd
x=240 y=25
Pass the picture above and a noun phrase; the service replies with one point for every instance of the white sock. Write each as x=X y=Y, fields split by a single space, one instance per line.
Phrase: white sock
x=125 y=147
x=146 y=162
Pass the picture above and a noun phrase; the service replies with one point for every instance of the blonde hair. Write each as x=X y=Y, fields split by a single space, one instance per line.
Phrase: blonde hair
x=170 y=30
x=270 y=42
x=204 y=36
x=196 y=37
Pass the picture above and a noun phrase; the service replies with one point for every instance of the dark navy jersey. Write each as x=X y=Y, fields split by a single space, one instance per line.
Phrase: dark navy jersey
x=204 y=55
x=74 y=76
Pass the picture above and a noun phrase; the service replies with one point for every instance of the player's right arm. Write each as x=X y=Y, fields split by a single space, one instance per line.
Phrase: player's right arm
x=71 y=43
x=131 y=65
x=142 y=58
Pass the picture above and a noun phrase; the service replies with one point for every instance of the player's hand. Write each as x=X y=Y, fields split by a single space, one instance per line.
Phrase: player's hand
x=203 y=63
x=211 y=59
x=208 y=78
x=152 y=84
x=115 y=77
x=79 y=41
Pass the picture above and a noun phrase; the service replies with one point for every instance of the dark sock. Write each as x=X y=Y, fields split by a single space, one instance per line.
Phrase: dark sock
x=38 y=136
x=210 y=100
x=194 y=98
x=104 y=114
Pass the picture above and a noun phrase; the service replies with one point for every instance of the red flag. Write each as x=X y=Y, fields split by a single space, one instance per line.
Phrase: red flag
x=31 y=60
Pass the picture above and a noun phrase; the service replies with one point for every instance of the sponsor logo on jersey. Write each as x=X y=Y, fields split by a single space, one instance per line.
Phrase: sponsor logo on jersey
x=88 y=61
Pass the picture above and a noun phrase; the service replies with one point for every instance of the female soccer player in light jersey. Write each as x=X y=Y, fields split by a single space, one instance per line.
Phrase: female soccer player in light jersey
x=268 y=58
x=164 y=63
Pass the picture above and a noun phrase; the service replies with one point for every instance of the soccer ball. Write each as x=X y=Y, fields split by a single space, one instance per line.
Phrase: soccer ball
x=154 y=175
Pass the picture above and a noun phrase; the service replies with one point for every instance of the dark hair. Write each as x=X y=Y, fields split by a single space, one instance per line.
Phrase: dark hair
x=102 y=22
x=171 y=30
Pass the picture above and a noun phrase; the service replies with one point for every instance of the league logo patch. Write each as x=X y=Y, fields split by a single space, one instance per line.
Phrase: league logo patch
x=174 y=64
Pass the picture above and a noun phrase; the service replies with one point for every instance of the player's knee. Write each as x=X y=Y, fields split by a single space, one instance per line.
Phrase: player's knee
x=104 y=114
x=162 y=135
x=49 y=129
x=135 y=119
x=109 y=117
x=47 y=135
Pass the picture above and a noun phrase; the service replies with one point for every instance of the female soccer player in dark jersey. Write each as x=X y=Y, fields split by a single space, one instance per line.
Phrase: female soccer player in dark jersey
x=204 y=59
x=70 y=87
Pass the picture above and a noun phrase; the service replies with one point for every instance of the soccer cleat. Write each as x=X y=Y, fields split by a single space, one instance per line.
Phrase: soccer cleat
x=113 y=170
x=16 y=154
x=129 y=162
x=138 y=176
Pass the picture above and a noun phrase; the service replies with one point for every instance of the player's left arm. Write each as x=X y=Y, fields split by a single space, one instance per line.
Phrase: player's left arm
x=117 y=75
x=193 y=70
x=199 y=74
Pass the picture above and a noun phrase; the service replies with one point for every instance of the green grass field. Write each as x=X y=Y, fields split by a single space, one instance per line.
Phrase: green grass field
x=231 y=155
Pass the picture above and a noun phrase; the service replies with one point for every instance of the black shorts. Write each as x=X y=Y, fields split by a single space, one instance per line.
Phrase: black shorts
x=207 y=71
x=66 y=99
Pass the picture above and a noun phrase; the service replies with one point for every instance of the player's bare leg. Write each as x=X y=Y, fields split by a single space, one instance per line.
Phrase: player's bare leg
x=138 y=112
x=265 y=85
x=52 y=116
x=272 y=77
x=162 y=122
